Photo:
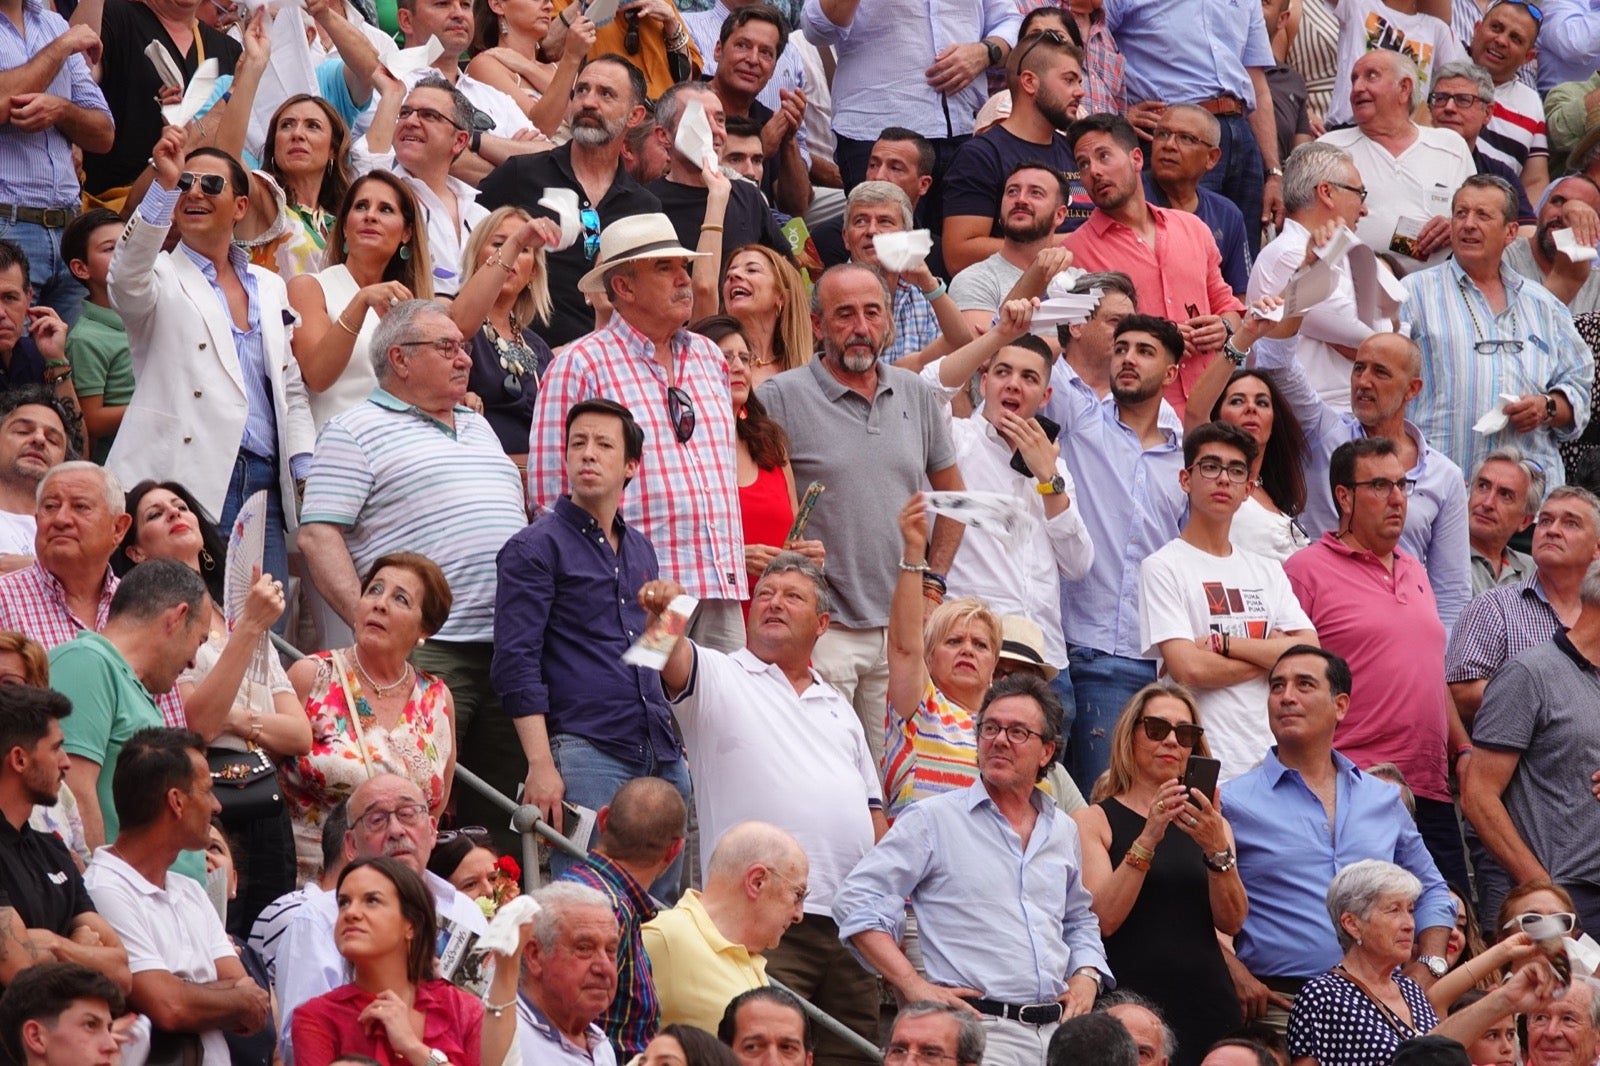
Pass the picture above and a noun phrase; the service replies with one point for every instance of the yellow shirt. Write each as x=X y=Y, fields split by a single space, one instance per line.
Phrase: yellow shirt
x=696 y=969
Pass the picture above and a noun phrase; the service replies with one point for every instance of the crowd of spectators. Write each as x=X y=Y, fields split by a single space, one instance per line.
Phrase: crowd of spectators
x=1021 y=533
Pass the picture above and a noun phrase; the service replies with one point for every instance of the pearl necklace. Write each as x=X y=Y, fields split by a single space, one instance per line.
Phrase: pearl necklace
x=381 y=690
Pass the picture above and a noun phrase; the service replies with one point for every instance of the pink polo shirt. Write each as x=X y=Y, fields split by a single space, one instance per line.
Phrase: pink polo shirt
x=1184 y=268
x=1386 y=626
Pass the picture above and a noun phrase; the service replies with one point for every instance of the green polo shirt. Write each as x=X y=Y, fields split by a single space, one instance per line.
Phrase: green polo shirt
x=101 y=366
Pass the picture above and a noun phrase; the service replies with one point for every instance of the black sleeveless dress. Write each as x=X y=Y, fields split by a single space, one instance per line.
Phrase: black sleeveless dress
x=1166 y=949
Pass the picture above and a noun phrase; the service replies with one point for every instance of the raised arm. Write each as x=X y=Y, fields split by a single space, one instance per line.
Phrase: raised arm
x=707 y=271
x=908 y=669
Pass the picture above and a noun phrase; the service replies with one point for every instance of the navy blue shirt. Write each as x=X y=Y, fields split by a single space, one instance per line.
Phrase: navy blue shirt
x=26 y=366
x=566 y=608
x=1226 y=223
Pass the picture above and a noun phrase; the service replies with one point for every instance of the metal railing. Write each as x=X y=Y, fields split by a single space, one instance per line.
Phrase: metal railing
x=529 y=823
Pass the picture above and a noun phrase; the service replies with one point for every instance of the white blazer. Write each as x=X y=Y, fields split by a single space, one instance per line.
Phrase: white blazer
x=188 y=411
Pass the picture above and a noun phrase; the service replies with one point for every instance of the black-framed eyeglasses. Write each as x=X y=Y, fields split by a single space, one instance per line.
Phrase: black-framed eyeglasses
x=1533 y=9
x=475 y=833
x=1531 y=922
x=428 y=114
x=932 y=1056
x=1383 y=486
x=1017 y=734
x=1498 y=346
x=408 y=815
x=591 y=232
x=210 y=184
x=1186 y=140
x=444 y=346
x=1055 y=37
x=1158 y=729
x=1214 y=469
x=680 y=411
x=1359 y=190
x=1461 y=100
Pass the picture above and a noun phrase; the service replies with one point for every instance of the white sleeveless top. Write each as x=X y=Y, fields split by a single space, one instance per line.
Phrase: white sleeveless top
x=358 y=379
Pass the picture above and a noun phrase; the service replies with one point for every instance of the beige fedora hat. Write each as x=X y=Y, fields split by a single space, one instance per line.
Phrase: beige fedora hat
x=648 y=236
x=1022 y=641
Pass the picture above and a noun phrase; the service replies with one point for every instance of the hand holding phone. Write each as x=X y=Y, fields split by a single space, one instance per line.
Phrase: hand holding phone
x=1202 y=773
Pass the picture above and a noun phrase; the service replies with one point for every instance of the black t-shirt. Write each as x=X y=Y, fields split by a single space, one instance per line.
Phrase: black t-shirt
x=977 y=176
x=25 y=367
x=39 y=880
x=748 y=219
x=130 y=84
x=521 y=181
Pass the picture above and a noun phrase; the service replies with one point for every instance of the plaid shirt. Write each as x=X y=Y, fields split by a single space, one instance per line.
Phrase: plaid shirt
x=32 y=602
x=1497 y=627
x=685 y=498
x=915 y=324
x=635 y=1013
x=1102 y=75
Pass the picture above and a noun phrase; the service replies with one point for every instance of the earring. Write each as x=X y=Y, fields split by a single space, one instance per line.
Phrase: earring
x=344 y=247
x=743 y=413
x=405 y=252
x=208 y=562
x=504 y=30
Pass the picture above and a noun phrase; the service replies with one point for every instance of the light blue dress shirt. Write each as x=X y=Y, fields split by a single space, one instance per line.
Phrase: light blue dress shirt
x=1569 y=41
x=1183 y=51
x=1289 y=854
x=1129 y=498
x=1012 y=923
x=36 y=169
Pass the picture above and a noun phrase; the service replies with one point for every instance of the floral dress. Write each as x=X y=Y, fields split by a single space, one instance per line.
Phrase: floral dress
x=346 y=750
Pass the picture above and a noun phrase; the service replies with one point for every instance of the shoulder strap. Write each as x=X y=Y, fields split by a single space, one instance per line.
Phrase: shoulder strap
x=341 y=677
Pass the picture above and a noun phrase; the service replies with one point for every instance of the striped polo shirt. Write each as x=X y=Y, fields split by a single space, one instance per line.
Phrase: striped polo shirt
x=397 y=479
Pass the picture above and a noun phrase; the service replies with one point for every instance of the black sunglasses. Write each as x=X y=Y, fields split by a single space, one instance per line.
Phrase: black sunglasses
x=475 y=833
x=1055 y=37
x=1158 y=729
x=210 y=184
x=680 y=410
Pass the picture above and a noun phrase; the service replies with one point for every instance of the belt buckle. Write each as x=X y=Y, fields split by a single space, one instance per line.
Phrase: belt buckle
x=1042 y=1013
x=56 y=217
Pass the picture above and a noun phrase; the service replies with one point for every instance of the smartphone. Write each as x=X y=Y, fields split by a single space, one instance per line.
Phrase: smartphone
x=1201 y=773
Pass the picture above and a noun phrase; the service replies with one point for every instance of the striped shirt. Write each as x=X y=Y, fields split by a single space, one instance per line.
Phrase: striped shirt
x=1515 y=131
x=273 y=920
x=1497 y=627
x=34 y=603
x=933 y=748
x=685 y=498
x=397 y=479
x=36 y=169
x=1448 y=316
x=635 y=1014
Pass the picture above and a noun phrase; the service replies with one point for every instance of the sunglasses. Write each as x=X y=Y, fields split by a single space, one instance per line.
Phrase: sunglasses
x=210 y=184
x=1533 y=9
x=475 y=833
x=1158 y=729
x=1055 y=37
x=1539 y=926
x=680 y=411
x=591 y=232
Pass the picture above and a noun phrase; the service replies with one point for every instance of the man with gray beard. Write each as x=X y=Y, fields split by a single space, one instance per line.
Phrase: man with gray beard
x=607 y=99
x=870 y=432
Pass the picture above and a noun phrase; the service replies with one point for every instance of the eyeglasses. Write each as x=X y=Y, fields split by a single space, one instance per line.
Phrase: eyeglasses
x=900 y=1053
x=1463 y=101
x=591 y=232
x=1055 y=37
x=475 y=833
x=1158 y=729
x=1213 y=469
x=1544 y=924
x=409 y=815
x=1017 y=734
x=428 y=114
x=210 y=184
x=444 y=346
x=1382 y=486
x=1187 y=140
x=1359 y=190
x=1533 y=9
x=1497 y=346
x=801 y=892
x=680 y=411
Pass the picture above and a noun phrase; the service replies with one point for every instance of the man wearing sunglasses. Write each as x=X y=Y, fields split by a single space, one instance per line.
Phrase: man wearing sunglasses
x=1219 y=616
x=1301 y=816
x=1372 y=605
x=218 y=402
x=1502 y=44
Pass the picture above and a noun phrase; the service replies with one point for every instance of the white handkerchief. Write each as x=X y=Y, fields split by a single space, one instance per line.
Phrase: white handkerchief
x=601 y=12
x=899 y=252
x=1567 y=244
x=501 y=936
x=194 y=97
x=166 y=69
x=1494 y=419
x=995 y=513
x=406 y=60
x=694 y=135
x=564 y=202
x=1062 y=283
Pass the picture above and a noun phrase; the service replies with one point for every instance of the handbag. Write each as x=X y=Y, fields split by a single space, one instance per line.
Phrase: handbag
x=246 y=784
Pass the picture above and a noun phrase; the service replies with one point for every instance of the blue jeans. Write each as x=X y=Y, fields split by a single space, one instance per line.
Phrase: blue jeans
x=1062 y=687
x=1102 y=684
x=251 y=474
x=592 y=778
x=53 y=284
x=1239 y=175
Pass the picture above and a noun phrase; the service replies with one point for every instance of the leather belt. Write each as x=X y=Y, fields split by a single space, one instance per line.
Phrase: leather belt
x=1223 y=106
x=48 y=217
x=1027 y=1013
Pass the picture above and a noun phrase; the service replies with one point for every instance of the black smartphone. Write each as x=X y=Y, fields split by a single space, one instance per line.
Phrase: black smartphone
x=1051 y=430
x=1202 y=773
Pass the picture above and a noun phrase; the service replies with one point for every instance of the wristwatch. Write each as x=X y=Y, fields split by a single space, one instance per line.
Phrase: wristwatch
x=1054 y=487
x=1436 y=965
x=1273 y=172
x=996 y=57
x=1220 y=861
x=1089 y=972
x=1549 y=407
x=1232 y=354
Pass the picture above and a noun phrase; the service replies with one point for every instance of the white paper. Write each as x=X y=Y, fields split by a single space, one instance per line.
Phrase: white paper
x=694 y=136
x=1567 y=244
x=601 y=12
x=900 y=252
x=194 y=97
x=1069 y=310
x=1494 y=419
x=655 y=644
x=994 y=513
x=166 y=69
x=407 y=60
x=503 y=933
x=1312 y=284
x=1584 y=954
x=564 y=202
x=1379 y=293
x=291 y=70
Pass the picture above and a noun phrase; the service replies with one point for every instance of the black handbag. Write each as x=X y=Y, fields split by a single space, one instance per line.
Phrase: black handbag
x=246 y=784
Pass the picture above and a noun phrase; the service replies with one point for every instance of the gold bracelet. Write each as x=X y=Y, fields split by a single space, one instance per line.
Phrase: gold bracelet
x=714 y=227
x=495 y=260
x=1130 y=859
x=347 y=329
x=1141 y=852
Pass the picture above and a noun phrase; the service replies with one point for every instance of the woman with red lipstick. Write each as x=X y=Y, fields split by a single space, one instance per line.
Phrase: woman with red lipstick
x=371 y=711
x=394 y=1009
x=231 y=713
x=1158 y=859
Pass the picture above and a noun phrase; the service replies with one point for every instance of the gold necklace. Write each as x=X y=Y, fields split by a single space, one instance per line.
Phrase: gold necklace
x=381 y=690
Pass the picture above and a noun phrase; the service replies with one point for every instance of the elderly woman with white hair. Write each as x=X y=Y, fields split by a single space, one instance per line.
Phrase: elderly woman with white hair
x=1360 y=1011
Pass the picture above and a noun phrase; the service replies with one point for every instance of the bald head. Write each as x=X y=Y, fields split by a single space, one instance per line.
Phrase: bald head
x=389 y=815
x=644 y=822
x=756 y=884
x=753 y=843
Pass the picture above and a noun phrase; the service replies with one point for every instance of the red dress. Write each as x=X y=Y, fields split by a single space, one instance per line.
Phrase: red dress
x=764 y=505
x=325 y=1028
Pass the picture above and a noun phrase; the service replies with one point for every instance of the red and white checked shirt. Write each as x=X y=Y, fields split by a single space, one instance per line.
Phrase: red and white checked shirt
x=33 y=603
x=685 y=498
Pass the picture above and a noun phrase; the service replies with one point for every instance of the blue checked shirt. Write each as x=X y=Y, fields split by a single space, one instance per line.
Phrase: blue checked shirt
x=1497 y=627
x=36 y=169
x=1448 y=316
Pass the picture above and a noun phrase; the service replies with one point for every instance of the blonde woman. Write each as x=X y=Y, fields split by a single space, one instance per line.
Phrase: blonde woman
x=768 y=298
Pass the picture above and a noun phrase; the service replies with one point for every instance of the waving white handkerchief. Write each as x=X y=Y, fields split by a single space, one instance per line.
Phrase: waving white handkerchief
x=694 y=135
x=899 y=252
x=564 y=202
x=1494 y=419
x=501 y=936
x=407 y=60
x=994 y=513
x=194 y=97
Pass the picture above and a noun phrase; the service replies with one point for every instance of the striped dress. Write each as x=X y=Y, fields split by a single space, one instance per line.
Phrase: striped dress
x=932 y=751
